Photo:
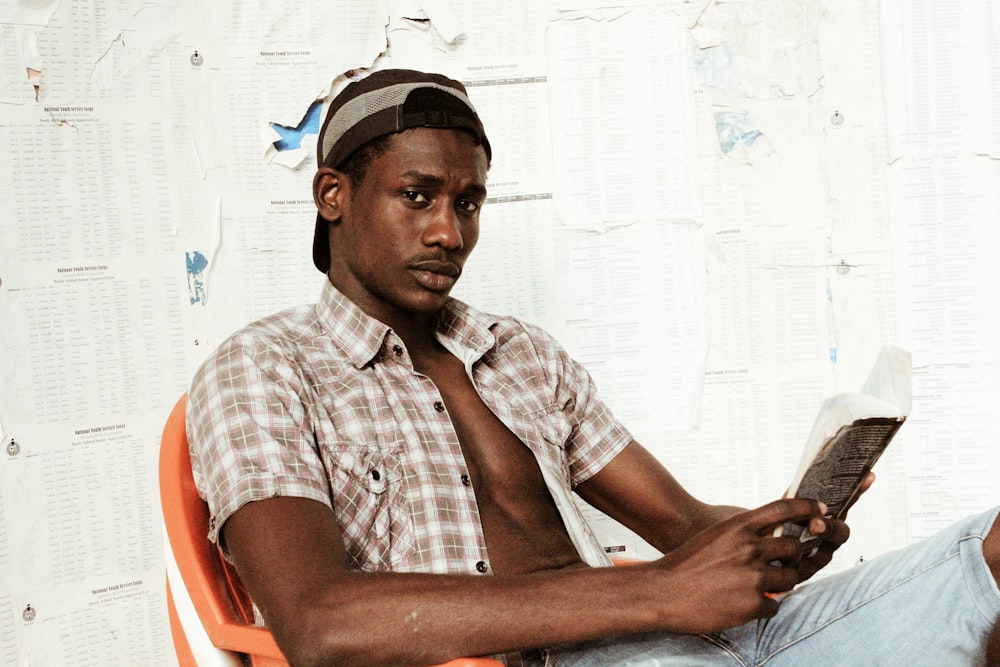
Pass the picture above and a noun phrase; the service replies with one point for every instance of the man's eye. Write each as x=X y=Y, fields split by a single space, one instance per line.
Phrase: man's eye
x=468 y=205
x=414 y=196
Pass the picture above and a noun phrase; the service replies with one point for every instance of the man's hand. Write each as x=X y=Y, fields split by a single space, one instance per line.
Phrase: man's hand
x=721 y=577
x=833 y=533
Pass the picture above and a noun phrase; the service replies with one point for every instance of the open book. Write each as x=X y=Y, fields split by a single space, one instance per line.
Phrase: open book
x=849 y=435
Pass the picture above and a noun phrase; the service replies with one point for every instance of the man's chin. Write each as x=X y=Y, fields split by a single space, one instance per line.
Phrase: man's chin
x=423 y=301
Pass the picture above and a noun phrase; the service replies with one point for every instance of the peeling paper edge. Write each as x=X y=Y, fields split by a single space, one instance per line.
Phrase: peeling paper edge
x=600 y=15
x=443 y=19
x=600 y=227
x=38 y=17
x=215 y=245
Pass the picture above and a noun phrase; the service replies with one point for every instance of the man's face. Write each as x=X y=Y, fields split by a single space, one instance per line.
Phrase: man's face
x=406 y=230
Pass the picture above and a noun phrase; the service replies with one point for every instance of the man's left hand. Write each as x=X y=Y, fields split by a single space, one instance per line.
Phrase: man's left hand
x=832 y=533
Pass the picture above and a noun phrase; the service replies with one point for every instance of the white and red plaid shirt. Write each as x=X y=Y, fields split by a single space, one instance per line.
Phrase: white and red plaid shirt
x=323 y=402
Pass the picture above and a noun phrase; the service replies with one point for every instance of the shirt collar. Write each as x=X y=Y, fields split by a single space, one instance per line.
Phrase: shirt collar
x=361 y=337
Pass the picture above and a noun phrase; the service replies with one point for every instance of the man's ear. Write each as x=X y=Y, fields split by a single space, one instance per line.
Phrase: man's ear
x=329 y=190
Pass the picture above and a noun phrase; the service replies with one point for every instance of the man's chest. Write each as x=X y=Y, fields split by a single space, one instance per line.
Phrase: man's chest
x=410 y=458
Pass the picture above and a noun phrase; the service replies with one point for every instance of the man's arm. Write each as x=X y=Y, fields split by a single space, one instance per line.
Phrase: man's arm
x=636 y=490
x=289 y=553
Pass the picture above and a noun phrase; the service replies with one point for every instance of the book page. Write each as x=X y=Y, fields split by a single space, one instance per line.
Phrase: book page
x=841 y=465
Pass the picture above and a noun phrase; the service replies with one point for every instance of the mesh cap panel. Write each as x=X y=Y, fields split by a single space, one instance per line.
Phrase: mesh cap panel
x=382 y=111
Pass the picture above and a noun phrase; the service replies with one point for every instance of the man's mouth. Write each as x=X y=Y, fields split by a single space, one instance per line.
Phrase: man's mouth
x=436 y=275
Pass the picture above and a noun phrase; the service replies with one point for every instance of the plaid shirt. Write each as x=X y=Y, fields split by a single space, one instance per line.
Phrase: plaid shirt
x=323 y=402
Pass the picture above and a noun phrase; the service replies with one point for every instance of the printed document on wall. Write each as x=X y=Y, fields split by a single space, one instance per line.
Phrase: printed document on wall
x=623 y=129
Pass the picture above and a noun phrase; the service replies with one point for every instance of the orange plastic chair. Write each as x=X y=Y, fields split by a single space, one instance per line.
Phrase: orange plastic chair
x=210 y=612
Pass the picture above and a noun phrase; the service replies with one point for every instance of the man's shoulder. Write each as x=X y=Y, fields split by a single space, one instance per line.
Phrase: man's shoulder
x=500 y=324
x=510 y=328
x=517 y=340
x=282 y=335
x=288 y=327
x=474 y=325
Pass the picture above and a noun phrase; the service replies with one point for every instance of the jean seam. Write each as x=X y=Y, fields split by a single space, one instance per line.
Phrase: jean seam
x=720 y=642
x=867 y=601
x=979 y=609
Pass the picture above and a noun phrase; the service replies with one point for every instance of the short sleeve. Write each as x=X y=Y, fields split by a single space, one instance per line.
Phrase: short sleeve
x=248 y=429
x=596 y=436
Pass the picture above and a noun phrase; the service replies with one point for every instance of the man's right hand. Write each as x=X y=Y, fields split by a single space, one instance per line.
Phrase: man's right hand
x=721 y=577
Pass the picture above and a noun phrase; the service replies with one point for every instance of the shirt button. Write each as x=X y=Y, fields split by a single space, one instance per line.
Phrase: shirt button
x=397 y=350
x=482 y=567
x=466 y=481
x=439 y=406
x=376 y=475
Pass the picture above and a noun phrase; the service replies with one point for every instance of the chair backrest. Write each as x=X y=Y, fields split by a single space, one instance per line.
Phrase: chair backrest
x=210 y=611
x=214 y=589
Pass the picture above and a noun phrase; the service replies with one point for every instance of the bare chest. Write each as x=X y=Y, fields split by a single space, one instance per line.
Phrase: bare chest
x=522 y=527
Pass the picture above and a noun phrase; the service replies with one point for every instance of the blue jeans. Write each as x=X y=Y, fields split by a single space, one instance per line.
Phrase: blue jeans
x=932 y=603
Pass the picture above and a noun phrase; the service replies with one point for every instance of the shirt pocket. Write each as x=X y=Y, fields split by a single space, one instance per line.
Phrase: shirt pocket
x=368 y=490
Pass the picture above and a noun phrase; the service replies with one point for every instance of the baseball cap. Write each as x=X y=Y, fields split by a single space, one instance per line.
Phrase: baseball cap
x=386 y=102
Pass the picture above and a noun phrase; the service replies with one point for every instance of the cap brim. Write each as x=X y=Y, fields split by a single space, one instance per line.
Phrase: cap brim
x=321 y=244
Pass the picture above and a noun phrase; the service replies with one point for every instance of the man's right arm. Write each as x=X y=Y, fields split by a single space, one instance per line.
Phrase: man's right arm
x=289 y=553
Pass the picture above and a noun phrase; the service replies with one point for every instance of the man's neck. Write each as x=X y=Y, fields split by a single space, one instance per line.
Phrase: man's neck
x=425 y=349
x=415 y=329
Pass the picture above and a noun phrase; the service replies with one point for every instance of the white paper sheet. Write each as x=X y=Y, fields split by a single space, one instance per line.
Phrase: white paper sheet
x=799 y=284
x=635 y=314
x=17 y=79
x=91 y=337
x=86 y=579
x=940 y=62
x=944 y=224
x=474 y=40
x=623 y=118
x=264 y=262
x=92 y=180
x=510 y=272
x=249 y=65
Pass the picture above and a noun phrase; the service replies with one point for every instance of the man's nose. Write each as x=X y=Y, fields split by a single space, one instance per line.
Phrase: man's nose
x=444 y=229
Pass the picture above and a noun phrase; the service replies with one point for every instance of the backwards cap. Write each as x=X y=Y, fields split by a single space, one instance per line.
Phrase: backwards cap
x=386 y=102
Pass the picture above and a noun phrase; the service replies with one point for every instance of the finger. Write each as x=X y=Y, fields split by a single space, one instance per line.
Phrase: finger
x=782 y=550
x=781 y=579
x=768 y=605
x=810 y=566
x=764 y=519
x=867 y=482
x=833 y=531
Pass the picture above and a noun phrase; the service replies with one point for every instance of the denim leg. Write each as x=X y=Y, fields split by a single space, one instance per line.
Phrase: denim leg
x=931 y=603
x=651 y=649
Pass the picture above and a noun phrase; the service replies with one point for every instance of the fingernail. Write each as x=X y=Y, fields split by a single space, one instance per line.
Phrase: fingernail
x=822 y=508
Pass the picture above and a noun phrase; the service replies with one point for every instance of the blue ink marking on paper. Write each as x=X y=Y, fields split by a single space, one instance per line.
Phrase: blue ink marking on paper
x=714 y=66
x=196 y=265
x=833 y=355
x=778 y=91
x=733 y=129
x=291 y=137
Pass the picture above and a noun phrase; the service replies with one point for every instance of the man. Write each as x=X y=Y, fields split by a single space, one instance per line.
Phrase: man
x=390 y=470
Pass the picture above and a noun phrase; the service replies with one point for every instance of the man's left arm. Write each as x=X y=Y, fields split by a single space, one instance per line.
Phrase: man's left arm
x=636 y=490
